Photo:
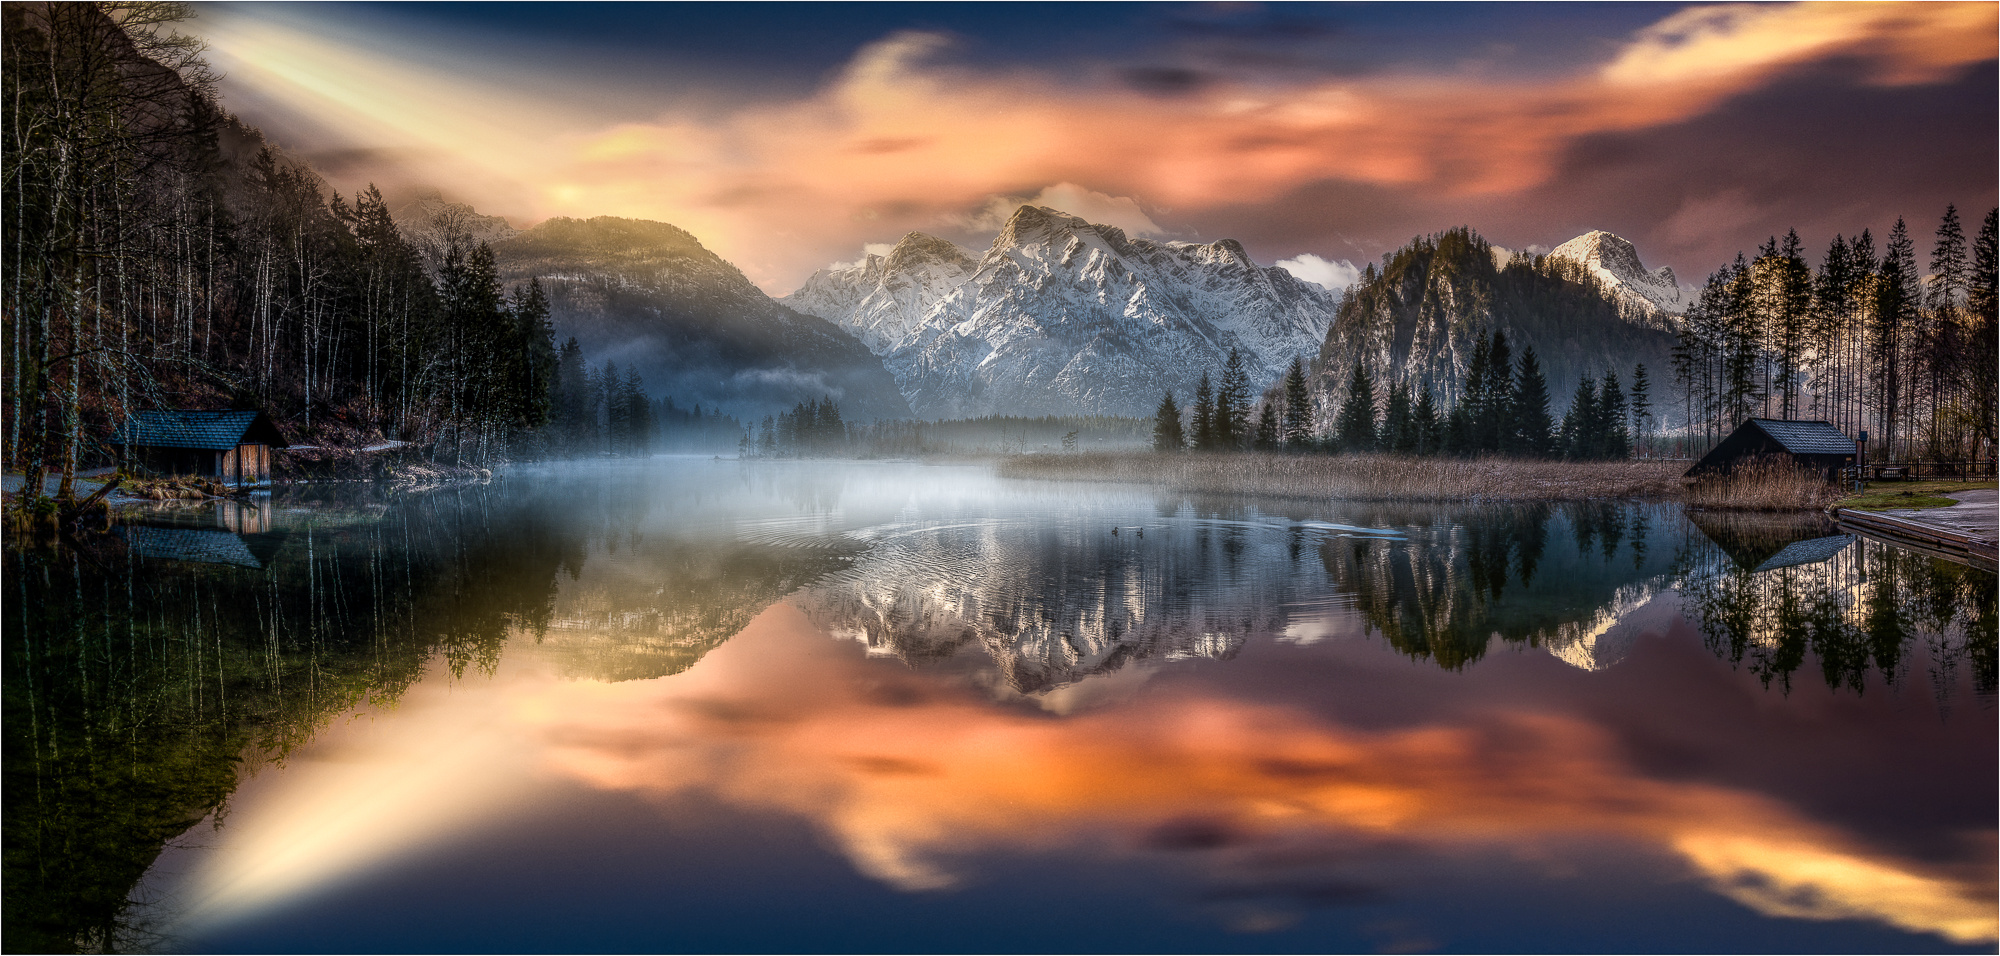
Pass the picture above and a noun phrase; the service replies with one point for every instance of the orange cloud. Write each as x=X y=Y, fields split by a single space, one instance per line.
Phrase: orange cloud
x=903 y=139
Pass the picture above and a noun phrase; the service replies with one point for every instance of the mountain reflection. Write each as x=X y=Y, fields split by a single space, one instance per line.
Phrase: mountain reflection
x=150 y=671
x=1054 y=599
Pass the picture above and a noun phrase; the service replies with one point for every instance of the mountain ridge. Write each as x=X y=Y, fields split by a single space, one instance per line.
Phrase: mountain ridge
x=1064 y=316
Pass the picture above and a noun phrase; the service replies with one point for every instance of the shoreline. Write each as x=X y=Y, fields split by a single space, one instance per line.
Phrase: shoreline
x=1391 y=478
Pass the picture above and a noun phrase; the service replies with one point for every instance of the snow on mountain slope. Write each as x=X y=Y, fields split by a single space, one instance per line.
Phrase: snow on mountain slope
x=1615 y=262
x=882 y=299
x=1062 y=316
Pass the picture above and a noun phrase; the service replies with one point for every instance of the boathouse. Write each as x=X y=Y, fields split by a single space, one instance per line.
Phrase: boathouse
x=1817 y=446
x=231 y=446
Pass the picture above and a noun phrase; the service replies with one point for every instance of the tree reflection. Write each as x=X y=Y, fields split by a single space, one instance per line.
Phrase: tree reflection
x=141 y=671
x=1466 y=577
x=1770 y=593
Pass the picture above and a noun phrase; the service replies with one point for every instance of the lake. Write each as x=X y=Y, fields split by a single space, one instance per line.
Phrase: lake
x=708 y=705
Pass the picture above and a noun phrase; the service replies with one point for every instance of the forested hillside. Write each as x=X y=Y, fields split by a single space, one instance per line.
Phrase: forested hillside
x=1417 y=319
x=161 y=254
x=649 y=296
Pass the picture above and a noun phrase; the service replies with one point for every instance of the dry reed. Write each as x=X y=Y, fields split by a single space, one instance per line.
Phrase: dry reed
x=1763 y=484
x=1362 y=477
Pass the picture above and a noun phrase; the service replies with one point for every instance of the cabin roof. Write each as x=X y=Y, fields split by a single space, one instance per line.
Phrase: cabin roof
x=1806 y=438
x=203 y=546
x=1811 y=551
x=212 y=430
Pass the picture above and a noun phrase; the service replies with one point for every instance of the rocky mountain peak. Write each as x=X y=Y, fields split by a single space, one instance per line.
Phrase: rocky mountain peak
x=917 y=249
x=1615 y=262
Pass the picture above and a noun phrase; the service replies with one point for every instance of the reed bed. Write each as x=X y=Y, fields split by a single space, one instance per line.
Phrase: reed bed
x=1768 y=484
x=1362 y=477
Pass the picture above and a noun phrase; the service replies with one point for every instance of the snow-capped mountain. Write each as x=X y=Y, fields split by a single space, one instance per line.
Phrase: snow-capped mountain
x=1063 y=316
x=882 y=299
x=1615 y=262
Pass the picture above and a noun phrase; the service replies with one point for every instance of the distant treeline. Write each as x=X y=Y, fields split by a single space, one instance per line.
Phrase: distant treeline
x=815 y=429
x=1867 y=342
x=1503 y=410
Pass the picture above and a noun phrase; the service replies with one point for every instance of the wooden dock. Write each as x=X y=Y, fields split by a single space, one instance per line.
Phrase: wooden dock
x=1942 y=540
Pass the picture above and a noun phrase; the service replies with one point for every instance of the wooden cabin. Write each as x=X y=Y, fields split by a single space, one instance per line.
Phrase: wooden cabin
x=233 y=447
x=1817 y=446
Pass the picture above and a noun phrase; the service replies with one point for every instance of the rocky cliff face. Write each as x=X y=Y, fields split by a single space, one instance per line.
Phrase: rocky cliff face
x=1063 y=316
x=1417 y=319
x=649 y=296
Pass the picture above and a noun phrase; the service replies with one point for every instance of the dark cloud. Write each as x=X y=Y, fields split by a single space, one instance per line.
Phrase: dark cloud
x=1164 y=80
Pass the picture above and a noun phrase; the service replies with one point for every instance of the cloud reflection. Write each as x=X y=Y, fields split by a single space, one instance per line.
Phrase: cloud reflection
x=912 y=785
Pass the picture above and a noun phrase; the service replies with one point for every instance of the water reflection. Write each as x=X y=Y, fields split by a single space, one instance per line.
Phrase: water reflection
x=878 y=649
x=1859 y=606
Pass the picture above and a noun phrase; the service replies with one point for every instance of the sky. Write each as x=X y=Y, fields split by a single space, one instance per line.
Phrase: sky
x=790 y=136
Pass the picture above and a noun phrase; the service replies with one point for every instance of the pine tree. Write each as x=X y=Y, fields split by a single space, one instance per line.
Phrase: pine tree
x=1576 y=435
x=1429 y=429
x=1612 y=441
x=1895 y=306
x=1530 y=434
x=1232 y=404
x=1496 y=413
x=1167 y=435
x=1203 y=425
x=1982 y=287
x=638 y=414
x=1397 y=436
x=1949 y=270
x=534 y=387
x=1267 y=428
x=1298 y=407
x=1457 y=439
x=1791 y=322
x=1354 y=426
x=1642 y=410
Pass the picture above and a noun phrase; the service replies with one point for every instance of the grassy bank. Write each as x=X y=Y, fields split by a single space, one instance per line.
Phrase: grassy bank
x=1395 y=478
x=1898 y=495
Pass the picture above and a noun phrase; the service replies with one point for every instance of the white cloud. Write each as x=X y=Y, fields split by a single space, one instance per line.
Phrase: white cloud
x=867 y=249
x=1097 y=207
x=1336 y=275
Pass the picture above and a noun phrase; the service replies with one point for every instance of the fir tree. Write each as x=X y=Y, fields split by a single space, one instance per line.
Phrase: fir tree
x=1424 y=422
x=1495 y=414
x=1167 y=435
x=1576 y=435
x=1232 y=404
x=1354 y=426
x=1267 y=428
x=1530 y=434
x=1298 y=407
x=1203 y=425
x=1642 y=410
x=1611 y=442
x=1397 y=434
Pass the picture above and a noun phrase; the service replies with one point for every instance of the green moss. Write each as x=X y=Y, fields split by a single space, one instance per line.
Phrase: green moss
x=1906 y=495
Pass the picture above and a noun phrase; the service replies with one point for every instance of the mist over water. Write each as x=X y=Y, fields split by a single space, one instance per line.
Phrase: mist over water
x=705 y=704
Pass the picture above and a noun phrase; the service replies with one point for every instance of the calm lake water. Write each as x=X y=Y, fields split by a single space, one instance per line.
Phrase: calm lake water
x=707 y=705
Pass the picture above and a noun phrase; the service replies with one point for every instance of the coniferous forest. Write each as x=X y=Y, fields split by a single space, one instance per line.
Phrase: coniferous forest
x=162 y=254
x=1867 y=341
